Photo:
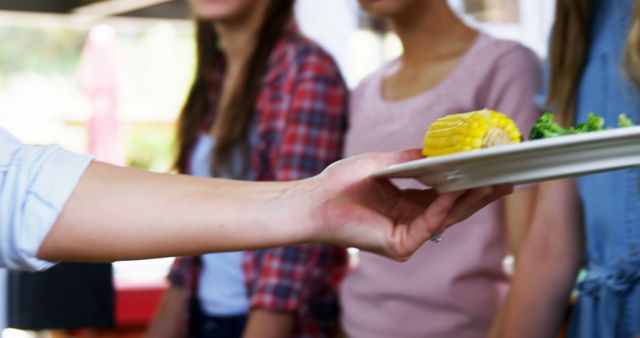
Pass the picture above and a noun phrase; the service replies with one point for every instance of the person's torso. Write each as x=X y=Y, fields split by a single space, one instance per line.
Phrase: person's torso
x=221 y=284
x=611 y=201
x=451 y=289
x=284 y=122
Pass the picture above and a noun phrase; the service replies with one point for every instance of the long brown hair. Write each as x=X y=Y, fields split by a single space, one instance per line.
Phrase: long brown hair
x=632 y=49
x=234 y=123
x=569 y=50
x=568 y=55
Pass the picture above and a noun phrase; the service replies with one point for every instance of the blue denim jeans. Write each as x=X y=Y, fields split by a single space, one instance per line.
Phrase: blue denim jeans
x=204 y=326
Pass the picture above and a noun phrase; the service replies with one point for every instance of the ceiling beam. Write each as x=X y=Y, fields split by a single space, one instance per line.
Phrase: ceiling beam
x=177 y=9
x=57 y=6
x=92 y=11
x=115 y=7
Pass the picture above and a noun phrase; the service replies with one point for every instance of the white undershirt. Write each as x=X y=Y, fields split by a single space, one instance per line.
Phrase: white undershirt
x=221 y=287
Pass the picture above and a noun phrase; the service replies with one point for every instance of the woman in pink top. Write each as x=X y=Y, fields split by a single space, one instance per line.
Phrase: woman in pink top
x=451 y=289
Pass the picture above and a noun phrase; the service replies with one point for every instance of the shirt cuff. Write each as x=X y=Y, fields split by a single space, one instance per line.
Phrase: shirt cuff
x=51 y=187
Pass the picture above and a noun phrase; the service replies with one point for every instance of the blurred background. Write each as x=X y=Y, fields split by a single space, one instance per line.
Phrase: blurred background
x=108 y=77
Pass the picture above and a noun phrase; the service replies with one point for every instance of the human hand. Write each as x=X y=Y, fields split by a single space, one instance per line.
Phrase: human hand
x=353 y=209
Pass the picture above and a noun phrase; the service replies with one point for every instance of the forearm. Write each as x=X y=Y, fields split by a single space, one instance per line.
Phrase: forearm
x=537 y=300
x=169 y=320
x=264 y=323
x=546 y=268
x=517 y=214
x=120 y=214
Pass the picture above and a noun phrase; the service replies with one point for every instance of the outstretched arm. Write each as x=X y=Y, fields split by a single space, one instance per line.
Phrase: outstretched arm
x=118 y=213
x=121 y=213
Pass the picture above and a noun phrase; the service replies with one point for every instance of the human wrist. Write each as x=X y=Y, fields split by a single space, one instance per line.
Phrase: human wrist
x=281 y=211
x=297 y=211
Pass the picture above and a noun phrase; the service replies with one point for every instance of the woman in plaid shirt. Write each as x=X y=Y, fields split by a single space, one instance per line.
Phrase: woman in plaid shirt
x=269 y=105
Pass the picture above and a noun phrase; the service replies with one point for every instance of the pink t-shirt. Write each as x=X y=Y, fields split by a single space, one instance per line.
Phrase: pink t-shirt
x=451 y=289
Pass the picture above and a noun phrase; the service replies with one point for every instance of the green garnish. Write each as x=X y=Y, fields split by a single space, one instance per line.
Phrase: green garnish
x=624 y=121
x=546 y=127
x=594 y=123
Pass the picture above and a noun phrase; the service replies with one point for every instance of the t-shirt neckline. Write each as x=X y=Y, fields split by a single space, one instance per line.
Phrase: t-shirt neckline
x=435 y=91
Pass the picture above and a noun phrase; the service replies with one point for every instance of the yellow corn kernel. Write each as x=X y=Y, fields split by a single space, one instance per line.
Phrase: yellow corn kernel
x=469 y=131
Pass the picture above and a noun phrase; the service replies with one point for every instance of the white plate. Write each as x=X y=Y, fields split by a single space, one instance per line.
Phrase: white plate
x=527 y=162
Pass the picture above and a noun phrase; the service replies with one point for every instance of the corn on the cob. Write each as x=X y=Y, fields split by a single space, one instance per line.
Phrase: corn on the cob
x=469 y=131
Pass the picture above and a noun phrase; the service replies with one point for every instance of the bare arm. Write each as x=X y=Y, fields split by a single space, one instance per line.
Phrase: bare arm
x=518 y=210
x=547 y=267
x=118 y=214
x=269 y=324
x=169 y=320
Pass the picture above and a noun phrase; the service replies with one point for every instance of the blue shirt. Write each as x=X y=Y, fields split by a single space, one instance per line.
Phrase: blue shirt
x=609 y=301
x=221 y=286
x=35 y=184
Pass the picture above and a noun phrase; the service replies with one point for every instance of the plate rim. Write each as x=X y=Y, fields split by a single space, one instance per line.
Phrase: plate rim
x=510 y=149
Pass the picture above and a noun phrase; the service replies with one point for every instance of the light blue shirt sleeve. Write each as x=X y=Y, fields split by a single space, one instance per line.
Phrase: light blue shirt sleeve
x=35 y=184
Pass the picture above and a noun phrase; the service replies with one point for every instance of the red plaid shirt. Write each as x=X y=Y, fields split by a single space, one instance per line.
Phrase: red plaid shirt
x=301 y=118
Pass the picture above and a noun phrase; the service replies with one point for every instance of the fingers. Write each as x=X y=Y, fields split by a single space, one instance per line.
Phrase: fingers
x=383 y=160
x=474 y=200
x=467 y=205
x=448 y=209
x=419 y=197
x=416 y=222
x=441 y=212
x=362 y=166
x=432 y=221
x=503 y=189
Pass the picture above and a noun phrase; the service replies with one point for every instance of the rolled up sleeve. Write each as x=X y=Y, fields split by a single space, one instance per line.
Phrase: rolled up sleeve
x=35 y=184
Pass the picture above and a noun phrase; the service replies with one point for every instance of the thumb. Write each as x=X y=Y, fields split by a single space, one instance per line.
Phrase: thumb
x=383 y=160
